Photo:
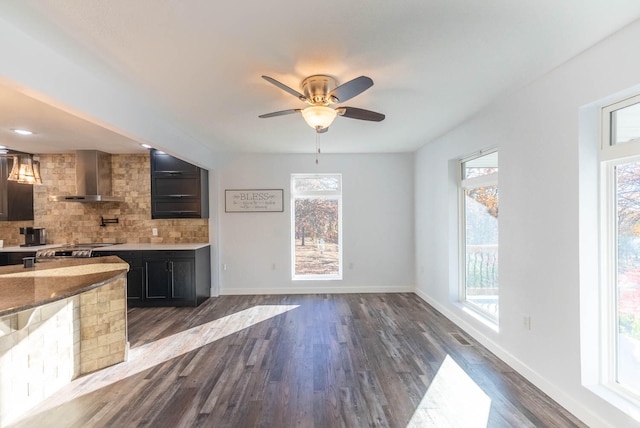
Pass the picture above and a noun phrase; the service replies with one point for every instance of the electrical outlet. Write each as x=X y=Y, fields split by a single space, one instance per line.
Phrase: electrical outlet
x=526 y=322
x=154 y=231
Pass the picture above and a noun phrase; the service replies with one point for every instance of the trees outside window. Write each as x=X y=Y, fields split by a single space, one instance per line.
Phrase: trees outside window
x=620 y=248
x=479 y=234
x=316 y=226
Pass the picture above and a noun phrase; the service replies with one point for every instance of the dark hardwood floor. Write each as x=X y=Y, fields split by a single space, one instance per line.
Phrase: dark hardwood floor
x=351 y=360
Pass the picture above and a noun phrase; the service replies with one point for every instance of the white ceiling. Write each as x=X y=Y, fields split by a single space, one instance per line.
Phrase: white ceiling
x=435 y=63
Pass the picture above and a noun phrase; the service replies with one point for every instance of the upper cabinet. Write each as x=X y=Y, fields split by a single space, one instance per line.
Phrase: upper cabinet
x=178 y=188
x=16 y=199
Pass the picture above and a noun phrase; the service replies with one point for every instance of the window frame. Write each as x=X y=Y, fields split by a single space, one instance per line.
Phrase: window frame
x=608 y=149
x=463 y=185
x=610 y=156
x=311 y=194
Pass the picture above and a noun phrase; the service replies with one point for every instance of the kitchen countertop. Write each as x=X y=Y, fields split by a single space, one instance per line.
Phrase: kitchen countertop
x=33 y=248
x=25 y=288
x=151 y=247
x=115 y=247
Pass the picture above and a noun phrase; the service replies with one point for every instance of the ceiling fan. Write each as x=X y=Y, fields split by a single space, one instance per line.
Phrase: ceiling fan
x=321 y=92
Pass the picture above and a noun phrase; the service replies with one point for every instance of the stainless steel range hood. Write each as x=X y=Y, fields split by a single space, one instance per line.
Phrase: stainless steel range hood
x=93 y=178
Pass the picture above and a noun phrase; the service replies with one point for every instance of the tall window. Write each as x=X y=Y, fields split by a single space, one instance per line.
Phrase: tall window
x=316 y=235
x=479 y=233
x=620 y=243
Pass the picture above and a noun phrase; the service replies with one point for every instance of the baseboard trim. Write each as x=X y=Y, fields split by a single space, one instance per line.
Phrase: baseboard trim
x=318 y=290
x=578 y=409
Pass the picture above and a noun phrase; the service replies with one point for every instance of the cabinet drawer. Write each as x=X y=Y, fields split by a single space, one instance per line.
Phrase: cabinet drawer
x=168 y=254
x=133 y=258
x=16 y=258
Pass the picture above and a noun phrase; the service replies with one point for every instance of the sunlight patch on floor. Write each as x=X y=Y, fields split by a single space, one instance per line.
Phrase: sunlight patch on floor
x=150 y=355
x=452 y=400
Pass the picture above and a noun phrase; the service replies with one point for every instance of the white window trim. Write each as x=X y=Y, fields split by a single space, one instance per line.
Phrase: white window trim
x=337 y=195
x=609 y=157
x=463 y=185
x=613 y=151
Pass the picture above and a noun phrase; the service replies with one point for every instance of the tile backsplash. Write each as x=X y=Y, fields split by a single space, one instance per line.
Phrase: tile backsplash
x=78 y=222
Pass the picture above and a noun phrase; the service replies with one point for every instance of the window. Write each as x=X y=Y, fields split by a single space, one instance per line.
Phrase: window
x=316 y=221
x=622 y=122
x=479 y=234
x=620 y=247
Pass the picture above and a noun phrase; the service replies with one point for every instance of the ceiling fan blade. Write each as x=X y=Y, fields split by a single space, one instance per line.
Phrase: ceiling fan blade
x=359 y=113
x=285 y=88
x=350 y=89
x=279 y=113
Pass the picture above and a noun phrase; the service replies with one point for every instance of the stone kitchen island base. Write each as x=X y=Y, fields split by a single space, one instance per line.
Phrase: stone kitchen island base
x=58 y=320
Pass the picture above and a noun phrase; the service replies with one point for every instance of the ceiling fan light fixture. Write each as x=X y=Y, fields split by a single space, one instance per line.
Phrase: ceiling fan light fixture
x=319 y=117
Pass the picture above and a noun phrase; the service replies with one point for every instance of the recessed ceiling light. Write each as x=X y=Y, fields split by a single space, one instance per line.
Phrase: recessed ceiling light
x=22 y=131
x=146 y=146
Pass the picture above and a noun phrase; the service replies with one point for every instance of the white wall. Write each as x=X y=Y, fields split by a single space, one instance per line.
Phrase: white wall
x=96 y=98
x=377 y=220
x=541 y=141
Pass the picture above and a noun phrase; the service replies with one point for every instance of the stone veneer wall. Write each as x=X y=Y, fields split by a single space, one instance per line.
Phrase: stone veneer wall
x=77 y=222
x=103 y=326
x=43 y=349
x=37 y=349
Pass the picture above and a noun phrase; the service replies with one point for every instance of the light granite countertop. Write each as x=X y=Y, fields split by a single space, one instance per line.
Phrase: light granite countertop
x=32 y=249
x=151 y=247
x=115 y=247
x=24 y=288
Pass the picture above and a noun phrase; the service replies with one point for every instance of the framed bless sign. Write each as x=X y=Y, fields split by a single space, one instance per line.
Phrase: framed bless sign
x=253 y=200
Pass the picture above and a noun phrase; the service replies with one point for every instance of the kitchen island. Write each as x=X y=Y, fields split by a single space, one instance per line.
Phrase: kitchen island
x=58 y=320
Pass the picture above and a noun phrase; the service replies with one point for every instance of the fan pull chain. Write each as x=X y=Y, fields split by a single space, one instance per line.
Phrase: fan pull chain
x=317 y=146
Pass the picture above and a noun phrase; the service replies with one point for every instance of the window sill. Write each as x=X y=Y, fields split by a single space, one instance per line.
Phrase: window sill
x=478 y=316
x=317 y=278
x=629 y=406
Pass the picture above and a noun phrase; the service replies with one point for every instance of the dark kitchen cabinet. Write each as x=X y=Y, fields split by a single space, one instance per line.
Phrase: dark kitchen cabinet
x=177 y=278
x=170 y=275
x=178 y=188
x=135 y=276
x=166 y=278
x=16 y=199
x=14 y=257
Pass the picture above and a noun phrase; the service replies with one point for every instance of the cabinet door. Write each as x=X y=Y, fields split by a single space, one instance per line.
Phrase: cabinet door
x=19 y=201
x=176 y=187
x=175 y=208
x=157 y=279
x=135 y=276
x=135 y=282
x=4 y=172
x=183 y=280
x=164 y=164
x=16 y=199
